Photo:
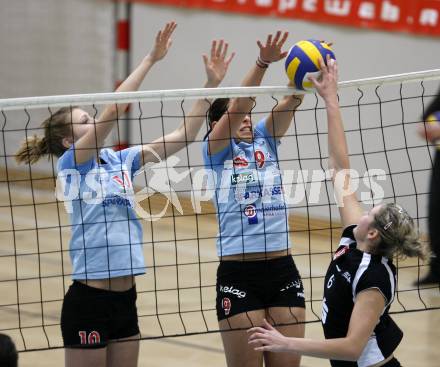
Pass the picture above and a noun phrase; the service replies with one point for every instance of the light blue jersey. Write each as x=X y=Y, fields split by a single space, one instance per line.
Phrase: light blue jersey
x=106 y=234
x=249 y=199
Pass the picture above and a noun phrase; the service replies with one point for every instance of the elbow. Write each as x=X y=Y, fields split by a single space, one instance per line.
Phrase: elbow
x=354 y=354
x=354 y=350
x=333 y=164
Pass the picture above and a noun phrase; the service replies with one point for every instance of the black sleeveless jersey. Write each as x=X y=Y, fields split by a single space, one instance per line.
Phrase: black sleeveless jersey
x=350 y=272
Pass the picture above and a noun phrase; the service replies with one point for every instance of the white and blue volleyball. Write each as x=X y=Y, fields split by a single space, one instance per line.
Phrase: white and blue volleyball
x=303 y=61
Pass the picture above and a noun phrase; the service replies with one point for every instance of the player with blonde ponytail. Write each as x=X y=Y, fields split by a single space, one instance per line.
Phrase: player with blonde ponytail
x=56 y=128
x=360 y=283
x=99 y=309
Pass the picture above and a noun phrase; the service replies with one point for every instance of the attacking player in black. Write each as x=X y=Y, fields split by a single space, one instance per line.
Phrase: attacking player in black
x=361 y=280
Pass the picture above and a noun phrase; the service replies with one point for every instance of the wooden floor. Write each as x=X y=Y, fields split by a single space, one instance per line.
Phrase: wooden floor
x=177 y=295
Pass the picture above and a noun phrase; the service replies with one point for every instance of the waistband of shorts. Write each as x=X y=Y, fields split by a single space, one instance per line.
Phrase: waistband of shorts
x=288 y=259
x=92 y=290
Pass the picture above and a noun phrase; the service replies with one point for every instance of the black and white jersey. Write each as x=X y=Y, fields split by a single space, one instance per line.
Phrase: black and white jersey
x=351 y=272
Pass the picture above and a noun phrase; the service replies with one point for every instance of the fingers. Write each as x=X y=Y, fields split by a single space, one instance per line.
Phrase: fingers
x=283 y=40
x=213 y=48
x=315 y=83
x=260 y=342
x=278 y=41
x=323 y=65
x=165 y=34
x=169 y=29
x=269 y=40
x=327 y=43
x=219 y=48
x=225 y=50
x=205 y=59
x=256 y=329
x=277 y=37
x=158 y=36
x=228 y=61
x=267 y=325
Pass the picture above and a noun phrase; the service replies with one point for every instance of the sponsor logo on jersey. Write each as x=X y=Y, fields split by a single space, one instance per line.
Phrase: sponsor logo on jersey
x=116 y=200
x=226 y=305
x=240 y=162
x=232 y=290
x=341 y=252
x=250 y=211
x=295 y=283
x=256 y=193
x=260 y=159
x=122 y=181
x=238 y=178
x=347 y=276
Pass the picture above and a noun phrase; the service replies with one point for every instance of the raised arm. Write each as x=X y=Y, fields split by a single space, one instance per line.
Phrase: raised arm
x=216 y=67
x=86 y=146
x=230 y=122
x=281 y=117
x=364 y=318
x=349 y=207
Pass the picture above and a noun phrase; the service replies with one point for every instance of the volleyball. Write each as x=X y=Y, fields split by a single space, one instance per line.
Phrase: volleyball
x=303 y=61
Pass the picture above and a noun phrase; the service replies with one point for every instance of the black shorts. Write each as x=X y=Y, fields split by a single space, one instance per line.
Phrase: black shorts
x=91 y=317
x=254 y=285
x=393 y=362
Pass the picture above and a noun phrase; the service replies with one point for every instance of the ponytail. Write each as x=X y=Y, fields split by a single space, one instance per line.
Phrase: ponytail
x=399 y=235
x=32 y=149
x=57 y=127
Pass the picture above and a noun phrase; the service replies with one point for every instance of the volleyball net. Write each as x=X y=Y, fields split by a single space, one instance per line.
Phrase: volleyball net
x=176 y=296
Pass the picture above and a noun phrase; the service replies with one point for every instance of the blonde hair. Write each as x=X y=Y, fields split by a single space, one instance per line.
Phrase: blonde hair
x=399 y=236
x=56 y=128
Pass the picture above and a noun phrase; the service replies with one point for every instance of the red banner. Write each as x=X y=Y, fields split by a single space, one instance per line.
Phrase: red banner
x=414 y=16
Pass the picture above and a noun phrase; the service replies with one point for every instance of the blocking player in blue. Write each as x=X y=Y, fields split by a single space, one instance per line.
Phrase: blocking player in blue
x=257 y=277
x=99 y=309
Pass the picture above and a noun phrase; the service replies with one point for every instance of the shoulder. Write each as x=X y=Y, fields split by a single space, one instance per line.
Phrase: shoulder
x=67 y=161
x=218 y=158
x=347 y=241
x=376 y=272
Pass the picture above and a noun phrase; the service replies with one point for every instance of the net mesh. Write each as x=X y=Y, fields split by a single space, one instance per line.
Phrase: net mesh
x=177 y=295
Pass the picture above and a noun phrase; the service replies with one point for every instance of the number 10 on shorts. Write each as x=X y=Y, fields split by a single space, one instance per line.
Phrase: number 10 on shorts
x=92 y=338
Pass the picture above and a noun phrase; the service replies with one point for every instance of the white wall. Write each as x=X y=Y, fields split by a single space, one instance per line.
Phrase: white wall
x=55 y=47
x=50 y=47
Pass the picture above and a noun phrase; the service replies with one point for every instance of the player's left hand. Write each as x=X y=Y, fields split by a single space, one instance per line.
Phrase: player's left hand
x=267 y=339
x=272 y=50
x=327 y=84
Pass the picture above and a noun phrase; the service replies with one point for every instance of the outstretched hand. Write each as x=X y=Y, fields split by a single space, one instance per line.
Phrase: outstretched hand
x=217 y=64
x=327 y=84
x=272 y=50
x=162 y=42
x=430 y=132
x=268 y=339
